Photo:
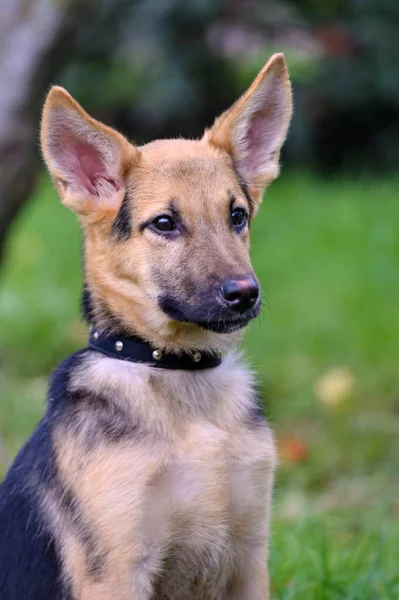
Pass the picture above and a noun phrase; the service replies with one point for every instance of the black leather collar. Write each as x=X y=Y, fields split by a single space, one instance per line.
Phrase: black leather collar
x=134 y=349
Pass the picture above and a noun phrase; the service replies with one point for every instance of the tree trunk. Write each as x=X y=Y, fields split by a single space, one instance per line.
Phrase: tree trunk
x=35 y=42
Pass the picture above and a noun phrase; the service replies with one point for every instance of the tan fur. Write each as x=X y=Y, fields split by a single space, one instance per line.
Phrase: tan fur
x=180 y=511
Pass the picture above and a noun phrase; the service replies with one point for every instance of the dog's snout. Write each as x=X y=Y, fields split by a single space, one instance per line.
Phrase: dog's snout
x=241 y=294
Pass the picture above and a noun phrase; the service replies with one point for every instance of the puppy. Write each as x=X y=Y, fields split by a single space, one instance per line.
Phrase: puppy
x=150 y=475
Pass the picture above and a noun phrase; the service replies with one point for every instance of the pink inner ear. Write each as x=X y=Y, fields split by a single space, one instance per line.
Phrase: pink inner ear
x=84 y=166
x=260 y=138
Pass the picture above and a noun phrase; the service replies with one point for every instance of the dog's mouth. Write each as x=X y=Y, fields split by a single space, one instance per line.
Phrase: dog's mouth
x=221 y=320
x=224 y=325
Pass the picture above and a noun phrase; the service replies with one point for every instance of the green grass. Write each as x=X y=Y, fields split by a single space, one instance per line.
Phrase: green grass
x=327 y=254
x=331 y=558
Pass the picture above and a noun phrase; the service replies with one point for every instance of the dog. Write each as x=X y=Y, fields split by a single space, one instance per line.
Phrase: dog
x=150 y=475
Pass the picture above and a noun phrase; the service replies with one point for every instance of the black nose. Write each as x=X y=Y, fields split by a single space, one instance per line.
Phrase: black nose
x=241 y=294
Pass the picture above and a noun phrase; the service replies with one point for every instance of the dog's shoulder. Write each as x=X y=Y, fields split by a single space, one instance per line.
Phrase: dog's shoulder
x=29 y=564
x=85 y=410
x=29 y=557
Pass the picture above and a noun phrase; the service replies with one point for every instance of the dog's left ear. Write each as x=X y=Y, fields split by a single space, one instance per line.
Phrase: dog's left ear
x=253 y=130
x=87 y=160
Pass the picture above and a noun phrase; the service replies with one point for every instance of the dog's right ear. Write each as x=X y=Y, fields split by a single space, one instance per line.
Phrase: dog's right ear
x=87 y=160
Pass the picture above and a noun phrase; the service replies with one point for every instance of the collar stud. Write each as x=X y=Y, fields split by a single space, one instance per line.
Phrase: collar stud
x=157 y=354
x=197 y=356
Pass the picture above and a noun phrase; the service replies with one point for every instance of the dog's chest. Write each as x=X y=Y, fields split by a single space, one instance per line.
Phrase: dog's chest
x=207 y=498
x=178 y=501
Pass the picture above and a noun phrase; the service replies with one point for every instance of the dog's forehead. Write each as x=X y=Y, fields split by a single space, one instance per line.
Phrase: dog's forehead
x=187 y=163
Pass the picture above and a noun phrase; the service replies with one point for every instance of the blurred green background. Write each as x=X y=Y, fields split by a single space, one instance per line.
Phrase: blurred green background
x=325 y=243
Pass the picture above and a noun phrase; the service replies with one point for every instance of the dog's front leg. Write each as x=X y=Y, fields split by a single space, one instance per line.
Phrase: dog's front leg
x=251 y=579
x=118 y=581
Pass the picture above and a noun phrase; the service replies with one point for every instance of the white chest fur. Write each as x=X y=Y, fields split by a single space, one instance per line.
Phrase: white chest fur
x=217 y=487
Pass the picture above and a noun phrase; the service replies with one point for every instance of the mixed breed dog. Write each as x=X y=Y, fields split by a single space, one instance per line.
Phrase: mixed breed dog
x=150 y=475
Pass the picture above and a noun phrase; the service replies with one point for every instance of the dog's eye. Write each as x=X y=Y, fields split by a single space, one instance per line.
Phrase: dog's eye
x=238 y=218
x=163 y=223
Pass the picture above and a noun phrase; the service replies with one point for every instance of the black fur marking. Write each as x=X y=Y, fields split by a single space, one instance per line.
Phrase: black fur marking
x=244 y=189
x=29 y=566
x=98 y=314
x=99 y=419
x=174 y=209
x=74 y=515
x=232 y=201
x=58 y=401
x=95 y=418
x=122 y=226
x=175 y=309
x=246 y=193
x=87 y=304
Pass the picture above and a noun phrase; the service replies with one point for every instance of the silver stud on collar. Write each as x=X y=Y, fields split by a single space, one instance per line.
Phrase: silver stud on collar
x=119 y=346
x=197 y=356
x=96 y=335
x=157 y=354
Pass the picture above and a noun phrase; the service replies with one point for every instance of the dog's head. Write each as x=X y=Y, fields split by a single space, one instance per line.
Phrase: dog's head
x=166 y=225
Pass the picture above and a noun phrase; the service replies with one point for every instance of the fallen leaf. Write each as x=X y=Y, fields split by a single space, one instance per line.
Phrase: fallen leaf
x=335 y=386
x=294 y=450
